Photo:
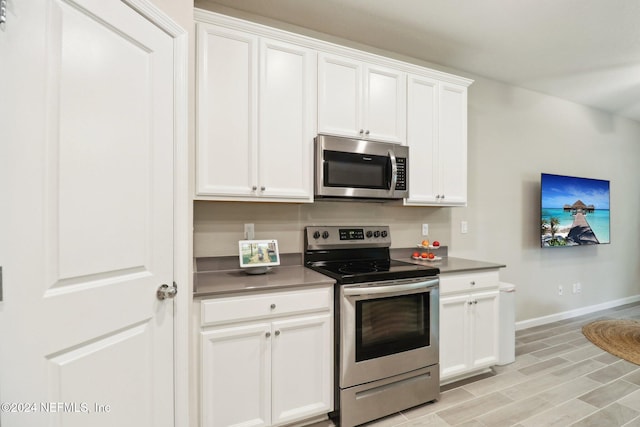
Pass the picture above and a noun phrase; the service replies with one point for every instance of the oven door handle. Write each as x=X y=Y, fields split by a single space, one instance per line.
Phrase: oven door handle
x=371 y=290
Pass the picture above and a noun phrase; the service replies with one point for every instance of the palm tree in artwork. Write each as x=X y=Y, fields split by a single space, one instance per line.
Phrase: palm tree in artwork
x=550 y=226
x=553 y=227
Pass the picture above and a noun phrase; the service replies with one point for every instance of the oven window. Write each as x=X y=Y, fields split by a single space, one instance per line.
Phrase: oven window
x=356 y=170
x=391 y=325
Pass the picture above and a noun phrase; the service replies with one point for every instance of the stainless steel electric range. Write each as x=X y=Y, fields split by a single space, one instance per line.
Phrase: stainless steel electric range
x=386 y=323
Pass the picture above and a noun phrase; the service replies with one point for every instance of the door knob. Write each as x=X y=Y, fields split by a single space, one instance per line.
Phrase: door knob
x=165 y=291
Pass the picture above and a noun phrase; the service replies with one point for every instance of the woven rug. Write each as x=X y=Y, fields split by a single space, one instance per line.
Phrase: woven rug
x=620 y=337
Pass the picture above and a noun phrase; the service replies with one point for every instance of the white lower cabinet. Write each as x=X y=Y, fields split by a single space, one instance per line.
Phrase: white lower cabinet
x=266 y=366
x=469 y=322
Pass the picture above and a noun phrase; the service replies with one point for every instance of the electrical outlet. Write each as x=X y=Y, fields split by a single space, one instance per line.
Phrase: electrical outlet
x=249 y=231
x=425 y=229
x=560 y=290
x=575 y=288
x=578 y=287
x=464 y=227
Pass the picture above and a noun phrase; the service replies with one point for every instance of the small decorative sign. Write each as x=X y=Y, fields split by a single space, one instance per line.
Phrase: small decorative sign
x=257 y=255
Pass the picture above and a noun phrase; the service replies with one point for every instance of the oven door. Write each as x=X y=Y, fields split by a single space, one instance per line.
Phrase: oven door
x=387 y=328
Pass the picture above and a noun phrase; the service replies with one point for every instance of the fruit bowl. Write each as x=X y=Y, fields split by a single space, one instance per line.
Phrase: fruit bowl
x=427 y=247
x=418 y=258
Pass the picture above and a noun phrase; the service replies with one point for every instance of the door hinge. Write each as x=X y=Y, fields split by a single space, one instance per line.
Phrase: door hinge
x=3 y=13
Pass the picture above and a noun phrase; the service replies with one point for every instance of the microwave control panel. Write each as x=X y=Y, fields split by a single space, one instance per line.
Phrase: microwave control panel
x=401 y=181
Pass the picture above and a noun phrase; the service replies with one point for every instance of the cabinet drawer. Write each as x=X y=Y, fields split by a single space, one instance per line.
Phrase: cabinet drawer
x=465 y=282
x=250 y=307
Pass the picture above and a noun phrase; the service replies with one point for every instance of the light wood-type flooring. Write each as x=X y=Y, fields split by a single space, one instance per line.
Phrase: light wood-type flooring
x=559 y=378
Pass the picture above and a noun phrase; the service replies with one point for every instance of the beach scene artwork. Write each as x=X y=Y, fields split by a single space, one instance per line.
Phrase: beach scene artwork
x=574 y=211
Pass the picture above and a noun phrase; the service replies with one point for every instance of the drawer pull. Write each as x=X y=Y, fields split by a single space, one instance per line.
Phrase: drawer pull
x=473 y=282
x=277 y=333
x=273 y=306
x=268 y=334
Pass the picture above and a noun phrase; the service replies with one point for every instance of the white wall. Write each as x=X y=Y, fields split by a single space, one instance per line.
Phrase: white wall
x=514 y=135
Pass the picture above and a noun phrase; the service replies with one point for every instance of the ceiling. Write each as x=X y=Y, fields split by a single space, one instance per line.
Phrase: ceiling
x=586 y=51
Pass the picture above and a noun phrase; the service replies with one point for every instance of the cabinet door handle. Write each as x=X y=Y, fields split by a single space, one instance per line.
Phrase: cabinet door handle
x=268 y=334
x=273 y=306
x=473 y=282
x=263 y=188
x=254 y=188
x=470 y=302
x=475 y=302
x=367 y=132
x=277 y=333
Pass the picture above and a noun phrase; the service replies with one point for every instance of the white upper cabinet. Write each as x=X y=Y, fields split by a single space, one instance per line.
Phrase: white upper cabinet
x=255 y=117
x=263 y=94
x=359 y=99
x=422 y=139
x=286 y=121
x=453 y=144
x=437 y=139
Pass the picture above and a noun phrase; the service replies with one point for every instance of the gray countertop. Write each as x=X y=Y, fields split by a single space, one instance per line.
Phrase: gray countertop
x=211 y=283
x=221 y=282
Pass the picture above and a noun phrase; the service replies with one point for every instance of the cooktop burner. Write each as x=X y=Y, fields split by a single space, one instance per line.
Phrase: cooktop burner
x=357 y=255
x=359 y=267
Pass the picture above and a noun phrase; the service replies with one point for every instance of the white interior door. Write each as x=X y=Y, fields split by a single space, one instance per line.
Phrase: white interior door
x=86 y=181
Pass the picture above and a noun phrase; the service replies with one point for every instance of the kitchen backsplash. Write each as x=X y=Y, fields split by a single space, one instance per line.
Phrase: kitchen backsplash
x=219 y=225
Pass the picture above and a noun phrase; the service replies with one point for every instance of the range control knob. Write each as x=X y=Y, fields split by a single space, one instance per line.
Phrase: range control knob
x=376 y=233
x=384 y=233
x=369 y=234
x=325 y=234
x=316 y=234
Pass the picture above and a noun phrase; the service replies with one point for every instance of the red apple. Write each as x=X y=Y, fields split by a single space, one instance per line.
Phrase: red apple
x=431 y=255
x=436 y=244
x=424 y=255
x=416 y=254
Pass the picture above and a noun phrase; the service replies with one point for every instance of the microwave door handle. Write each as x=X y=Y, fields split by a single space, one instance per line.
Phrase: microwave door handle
x=372 y=290
x=394 y=171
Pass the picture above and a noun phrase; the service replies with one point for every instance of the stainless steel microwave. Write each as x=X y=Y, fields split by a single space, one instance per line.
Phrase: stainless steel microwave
x=360 y=169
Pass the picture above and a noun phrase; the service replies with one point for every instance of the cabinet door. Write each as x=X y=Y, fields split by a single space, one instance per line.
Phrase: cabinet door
x=455 y=341
x=286 y=130
x=302 y=366
x=226 y=112
x=236 y=376
x=484 y=313
x=339 y=96
x=422 y=139
x=453 y=144
x=385 y=104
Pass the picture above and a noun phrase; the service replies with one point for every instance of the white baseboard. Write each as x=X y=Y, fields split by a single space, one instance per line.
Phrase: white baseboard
x=524 y=324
